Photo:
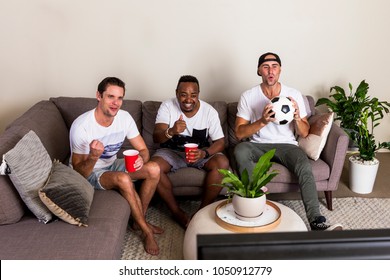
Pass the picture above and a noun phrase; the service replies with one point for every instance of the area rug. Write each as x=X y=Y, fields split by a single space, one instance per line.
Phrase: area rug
x=352 y=213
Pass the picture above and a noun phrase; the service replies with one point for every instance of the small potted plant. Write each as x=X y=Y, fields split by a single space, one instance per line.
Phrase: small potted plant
x=248 y=193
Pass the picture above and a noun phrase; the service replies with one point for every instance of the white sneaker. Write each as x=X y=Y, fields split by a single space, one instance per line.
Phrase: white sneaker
x=335 y=227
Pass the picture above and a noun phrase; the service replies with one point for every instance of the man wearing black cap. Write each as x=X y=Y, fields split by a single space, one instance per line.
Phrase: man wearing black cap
x=255 y=121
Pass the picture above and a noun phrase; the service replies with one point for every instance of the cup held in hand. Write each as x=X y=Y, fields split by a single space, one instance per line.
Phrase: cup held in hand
x=130 y=158
x=190 y=147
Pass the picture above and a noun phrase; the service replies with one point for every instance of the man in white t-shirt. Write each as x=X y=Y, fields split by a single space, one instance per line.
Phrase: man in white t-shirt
x=254 y=120
x=95 y=139
x=186 y=119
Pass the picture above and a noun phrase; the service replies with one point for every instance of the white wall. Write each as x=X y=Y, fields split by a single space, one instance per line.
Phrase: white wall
x=66 y=47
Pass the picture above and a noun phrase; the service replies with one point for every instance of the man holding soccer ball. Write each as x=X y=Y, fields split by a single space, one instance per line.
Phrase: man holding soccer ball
x=256 y=120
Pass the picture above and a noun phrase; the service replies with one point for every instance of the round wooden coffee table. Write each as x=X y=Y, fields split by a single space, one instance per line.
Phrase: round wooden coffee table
x=204 y=222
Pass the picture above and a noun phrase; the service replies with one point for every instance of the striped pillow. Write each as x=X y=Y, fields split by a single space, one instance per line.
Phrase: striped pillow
x=68 y=195
x=30 y=165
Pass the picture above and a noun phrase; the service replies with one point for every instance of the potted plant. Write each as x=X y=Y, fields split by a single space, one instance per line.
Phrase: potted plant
x=347 y=107
x=359 y=115
x=248 y=193
x=364 y=165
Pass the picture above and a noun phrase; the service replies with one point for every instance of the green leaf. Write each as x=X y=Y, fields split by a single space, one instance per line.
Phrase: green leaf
x=249 y=188
x=245 y=178
x=263 y=165
x=359 y=113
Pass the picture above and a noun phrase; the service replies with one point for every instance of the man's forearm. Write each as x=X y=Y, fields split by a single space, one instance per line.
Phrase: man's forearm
x=85 y=167
x=246 y=130
x=302 y=127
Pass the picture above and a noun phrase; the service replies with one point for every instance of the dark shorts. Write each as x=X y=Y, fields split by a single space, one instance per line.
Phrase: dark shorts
x=177 y=159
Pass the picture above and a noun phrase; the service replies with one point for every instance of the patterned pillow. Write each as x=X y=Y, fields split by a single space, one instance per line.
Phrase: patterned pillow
x=314 y=143
x=29 y=165
x=67 y=194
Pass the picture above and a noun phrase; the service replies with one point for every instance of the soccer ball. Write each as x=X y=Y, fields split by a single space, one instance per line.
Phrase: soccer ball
x=283 y=108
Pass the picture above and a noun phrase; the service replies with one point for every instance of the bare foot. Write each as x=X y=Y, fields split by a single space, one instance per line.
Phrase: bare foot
x=150 y=244
x=182 y=218
x=155 y=229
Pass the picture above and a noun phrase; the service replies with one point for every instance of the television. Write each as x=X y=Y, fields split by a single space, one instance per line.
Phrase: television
x=312 y=245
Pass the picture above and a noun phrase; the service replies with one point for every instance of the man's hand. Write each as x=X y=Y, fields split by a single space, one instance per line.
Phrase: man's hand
x=297 y=115
x=179 y=126
x=195 y=155
x=139 y=163
x=266 y=118
x=96 y=149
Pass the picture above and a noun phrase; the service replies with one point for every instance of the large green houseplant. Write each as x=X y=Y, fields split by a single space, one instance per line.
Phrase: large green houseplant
x=360 y=114
x=347 y=107
x=363 y=166
x=369 y=118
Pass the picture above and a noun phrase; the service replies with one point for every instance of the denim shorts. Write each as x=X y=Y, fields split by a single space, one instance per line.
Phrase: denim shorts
x=177 y=159
x=94 y=178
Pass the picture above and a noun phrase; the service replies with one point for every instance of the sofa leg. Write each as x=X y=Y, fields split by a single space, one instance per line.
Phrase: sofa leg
x=328 y=197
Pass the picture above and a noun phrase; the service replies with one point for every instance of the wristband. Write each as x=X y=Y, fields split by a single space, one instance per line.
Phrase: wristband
x=167 y=134
x=207 y=154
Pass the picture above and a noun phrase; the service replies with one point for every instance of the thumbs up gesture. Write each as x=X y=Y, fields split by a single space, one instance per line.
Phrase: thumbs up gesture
x=179 y=126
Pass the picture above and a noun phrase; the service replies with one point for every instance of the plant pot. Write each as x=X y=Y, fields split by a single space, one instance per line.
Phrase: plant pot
x=247 y=209
x=362 y=174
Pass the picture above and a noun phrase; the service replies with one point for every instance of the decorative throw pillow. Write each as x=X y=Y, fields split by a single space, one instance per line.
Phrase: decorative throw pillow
x=67 y=194
x=29 y=165
x=314 y=143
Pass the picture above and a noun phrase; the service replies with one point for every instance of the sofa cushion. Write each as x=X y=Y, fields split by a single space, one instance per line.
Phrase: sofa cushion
x=11 y=205
x=221 y=107
x=149 y=113
x=309 y=105
x=30 y=166
x=46 y=121
x=314 y=143
x=72 y=107
x=194 y=178
x=232 y=112
x=321 y=171
x=67 y=194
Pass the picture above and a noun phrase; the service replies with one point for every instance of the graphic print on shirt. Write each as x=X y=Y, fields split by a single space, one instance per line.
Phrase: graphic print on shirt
x=110 y=148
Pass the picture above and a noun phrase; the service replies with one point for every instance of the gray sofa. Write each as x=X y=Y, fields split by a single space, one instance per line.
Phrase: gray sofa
x=23 y=237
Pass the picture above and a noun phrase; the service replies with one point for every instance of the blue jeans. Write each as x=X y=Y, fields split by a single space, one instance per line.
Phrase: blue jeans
x=293 y=158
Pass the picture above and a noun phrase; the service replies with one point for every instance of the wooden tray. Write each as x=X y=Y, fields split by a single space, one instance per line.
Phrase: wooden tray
x=226 y=218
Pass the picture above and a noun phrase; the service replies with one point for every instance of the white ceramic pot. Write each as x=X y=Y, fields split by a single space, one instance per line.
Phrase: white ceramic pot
x=248 y=208
x=362 y=175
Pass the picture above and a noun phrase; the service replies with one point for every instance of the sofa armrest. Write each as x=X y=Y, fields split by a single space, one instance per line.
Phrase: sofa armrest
x=334 y=154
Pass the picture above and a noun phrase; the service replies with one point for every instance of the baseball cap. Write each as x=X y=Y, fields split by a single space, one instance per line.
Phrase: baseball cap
x=263 y=59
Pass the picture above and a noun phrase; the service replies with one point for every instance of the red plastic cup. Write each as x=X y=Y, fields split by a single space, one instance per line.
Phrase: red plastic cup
x=190 y=147
x=130 y=158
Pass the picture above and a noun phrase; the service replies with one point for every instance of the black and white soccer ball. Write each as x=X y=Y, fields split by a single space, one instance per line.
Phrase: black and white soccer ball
x=283 y=108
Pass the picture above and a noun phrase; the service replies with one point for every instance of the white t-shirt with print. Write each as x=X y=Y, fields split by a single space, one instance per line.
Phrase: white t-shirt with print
x=85 y=129
x=251 y=106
